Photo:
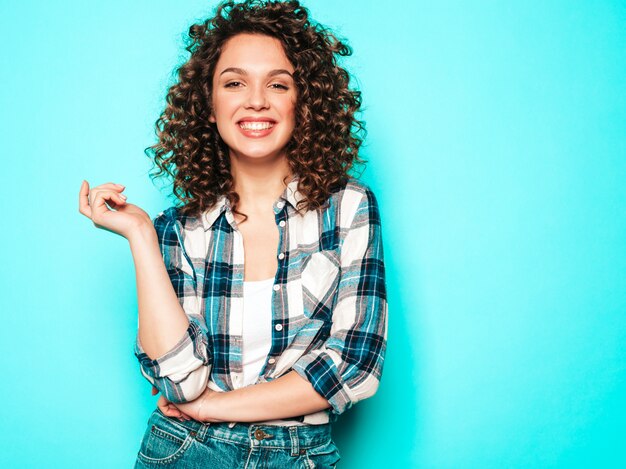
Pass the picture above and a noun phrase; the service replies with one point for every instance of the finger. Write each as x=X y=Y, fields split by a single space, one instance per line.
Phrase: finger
x=155 y=391
x=98 y=190
x=83 y=199
x=167 y=411
x=165 y=408
x=172 y=411
x=182 y=415
x=101 y=197
x=108 y=202
x=109 y=185
x=175 y=411
x=84 y=194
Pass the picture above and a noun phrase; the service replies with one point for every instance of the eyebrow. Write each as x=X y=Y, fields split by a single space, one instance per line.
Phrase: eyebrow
x=272 y=73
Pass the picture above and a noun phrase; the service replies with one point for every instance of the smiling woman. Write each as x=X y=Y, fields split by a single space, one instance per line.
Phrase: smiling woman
x=262 y=297
x=254 y=107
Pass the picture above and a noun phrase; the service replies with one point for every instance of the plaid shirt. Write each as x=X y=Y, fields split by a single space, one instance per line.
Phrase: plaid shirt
x=329 y=306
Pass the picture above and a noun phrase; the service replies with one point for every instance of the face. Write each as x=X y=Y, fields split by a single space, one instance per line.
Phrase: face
x=254 y=97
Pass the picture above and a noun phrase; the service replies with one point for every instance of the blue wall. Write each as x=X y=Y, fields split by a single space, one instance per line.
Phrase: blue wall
x=497 y=147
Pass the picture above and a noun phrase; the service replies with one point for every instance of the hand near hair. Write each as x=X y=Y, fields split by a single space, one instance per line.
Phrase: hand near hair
x=124 y=219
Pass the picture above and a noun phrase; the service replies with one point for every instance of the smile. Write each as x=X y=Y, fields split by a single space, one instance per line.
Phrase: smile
x=249 y=125
x=256 y=129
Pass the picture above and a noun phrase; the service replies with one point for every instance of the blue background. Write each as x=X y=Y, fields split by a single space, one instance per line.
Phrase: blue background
x=497 y=148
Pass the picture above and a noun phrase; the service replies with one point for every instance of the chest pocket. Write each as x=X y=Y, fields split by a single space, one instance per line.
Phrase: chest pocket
x=320 y=278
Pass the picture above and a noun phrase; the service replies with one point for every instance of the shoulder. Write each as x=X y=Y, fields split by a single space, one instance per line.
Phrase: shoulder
x=172 y=217
x=355 y=190
x=356 y=186
x=356 y=200
x=176 y=230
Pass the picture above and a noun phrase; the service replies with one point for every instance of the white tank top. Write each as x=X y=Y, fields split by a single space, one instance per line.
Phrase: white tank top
x=257 y=327
x=257 y=334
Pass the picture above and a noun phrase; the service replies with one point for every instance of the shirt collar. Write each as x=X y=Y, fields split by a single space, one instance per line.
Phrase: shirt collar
x=291 y=195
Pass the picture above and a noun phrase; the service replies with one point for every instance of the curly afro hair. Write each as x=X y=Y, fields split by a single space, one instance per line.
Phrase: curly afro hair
x=327 y=136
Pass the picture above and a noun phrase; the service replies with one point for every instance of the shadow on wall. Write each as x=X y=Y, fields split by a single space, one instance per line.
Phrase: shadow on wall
x=383 y=430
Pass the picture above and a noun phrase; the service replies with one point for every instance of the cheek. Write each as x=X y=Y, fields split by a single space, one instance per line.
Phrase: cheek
x=290 y=109
x=223 y=104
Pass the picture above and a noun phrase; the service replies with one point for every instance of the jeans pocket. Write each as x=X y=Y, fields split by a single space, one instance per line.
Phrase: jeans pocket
x=323 y=456
x=164 y=442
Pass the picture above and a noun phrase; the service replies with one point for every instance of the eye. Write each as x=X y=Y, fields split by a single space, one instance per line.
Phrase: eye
x=280 y=86
x=231 y=84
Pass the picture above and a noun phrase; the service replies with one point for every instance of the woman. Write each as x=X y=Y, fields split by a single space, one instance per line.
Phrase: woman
x=262 y=300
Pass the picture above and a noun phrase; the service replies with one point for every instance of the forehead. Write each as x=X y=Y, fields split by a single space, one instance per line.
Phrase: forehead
x=256 y=52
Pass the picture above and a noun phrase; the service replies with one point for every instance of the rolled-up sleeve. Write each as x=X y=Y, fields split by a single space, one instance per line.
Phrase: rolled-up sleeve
x=348 y=366
x=181 y=374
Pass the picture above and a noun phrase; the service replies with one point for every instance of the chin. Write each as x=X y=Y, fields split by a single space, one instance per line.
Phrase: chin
x=260 y=153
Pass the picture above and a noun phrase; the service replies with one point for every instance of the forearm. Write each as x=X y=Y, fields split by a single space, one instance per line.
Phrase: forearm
x=162 y=320
x=287 y=396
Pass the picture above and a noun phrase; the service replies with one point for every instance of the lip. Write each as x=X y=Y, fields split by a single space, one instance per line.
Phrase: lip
x=256 y=119
x=256 y=133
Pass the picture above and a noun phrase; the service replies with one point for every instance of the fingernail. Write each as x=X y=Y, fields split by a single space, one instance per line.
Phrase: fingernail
x=120 y=185
x=123 y=196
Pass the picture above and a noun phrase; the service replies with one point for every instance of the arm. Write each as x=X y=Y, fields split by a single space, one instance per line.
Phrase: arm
x=348 y=366
x=285 y=397
x=171 y=341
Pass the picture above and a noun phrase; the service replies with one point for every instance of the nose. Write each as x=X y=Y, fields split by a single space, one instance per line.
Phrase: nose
x=257 y=98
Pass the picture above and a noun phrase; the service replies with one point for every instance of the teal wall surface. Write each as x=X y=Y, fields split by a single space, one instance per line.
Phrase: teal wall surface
x=497 y=149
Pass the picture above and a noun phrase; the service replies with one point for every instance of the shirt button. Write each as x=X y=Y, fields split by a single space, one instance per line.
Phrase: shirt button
x=271 y=361
x=278 y=327
x=280 y=204
x=276 y=287
x=281 y=255
x=281 y=223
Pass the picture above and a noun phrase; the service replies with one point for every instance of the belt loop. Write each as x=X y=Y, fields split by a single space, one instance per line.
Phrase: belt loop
x=201 y=434
x=295 y=442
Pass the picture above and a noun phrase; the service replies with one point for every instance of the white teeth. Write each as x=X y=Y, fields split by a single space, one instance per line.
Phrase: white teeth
x=256 y=125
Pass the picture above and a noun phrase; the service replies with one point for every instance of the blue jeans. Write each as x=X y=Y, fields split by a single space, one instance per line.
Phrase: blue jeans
x=191 y=444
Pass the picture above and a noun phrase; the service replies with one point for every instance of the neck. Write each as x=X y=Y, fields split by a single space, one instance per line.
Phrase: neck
x=259 y=183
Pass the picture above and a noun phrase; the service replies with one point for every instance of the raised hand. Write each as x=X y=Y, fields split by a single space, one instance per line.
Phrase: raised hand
x=122 y=218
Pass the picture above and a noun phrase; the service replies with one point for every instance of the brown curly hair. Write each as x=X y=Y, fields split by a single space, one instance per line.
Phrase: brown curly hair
x=327 y=136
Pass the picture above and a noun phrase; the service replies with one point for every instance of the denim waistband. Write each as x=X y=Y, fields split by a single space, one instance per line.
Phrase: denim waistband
x=250 y=434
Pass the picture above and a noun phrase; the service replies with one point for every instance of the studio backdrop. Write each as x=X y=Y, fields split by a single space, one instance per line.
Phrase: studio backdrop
x=497 y=149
